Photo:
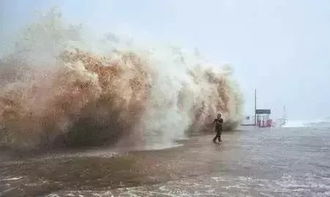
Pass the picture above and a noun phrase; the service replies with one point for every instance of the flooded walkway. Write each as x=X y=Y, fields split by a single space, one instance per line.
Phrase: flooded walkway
x=269 y=162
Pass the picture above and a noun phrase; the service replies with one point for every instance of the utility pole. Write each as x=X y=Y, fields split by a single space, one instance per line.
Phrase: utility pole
x=255 y=107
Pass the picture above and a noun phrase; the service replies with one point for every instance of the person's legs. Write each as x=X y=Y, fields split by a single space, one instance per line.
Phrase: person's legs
x=216 y=135
x=215 y=138
x=219 y=136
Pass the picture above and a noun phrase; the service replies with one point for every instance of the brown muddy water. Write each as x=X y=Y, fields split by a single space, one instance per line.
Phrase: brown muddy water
x=249 y=162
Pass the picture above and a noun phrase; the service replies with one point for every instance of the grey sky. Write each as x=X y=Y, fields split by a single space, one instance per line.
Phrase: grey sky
x=280 y=47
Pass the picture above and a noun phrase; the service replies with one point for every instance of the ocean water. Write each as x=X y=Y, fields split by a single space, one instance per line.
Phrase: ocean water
x=249 y=162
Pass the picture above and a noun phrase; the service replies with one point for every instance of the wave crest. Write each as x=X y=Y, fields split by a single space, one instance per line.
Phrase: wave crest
x=74 y=96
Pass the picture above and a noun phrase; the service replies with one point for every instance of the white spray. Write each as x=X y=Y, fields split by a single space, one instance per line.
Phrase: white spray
x=60 y=88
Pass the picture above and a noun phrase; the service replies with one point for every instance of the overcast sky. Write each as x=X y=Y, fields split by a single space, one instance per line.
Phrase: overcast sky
x=280 y=47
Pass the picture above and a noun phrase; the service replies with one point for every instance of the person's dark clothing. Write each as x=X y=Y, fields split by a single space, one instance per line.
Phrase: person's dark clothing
x=218 y=129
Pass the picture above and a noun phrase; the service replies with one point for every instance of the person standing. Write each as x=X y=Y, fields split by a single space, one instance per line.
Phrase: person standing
x=218 y=128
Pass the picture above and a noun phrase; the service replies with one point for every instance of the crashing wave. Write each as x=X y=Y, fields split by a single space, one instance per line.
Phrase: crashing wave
x=56 y=89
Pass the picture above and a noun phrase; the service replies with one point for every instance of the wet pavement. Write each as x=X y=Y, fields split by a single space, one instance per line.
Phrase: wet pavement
x=249 y=162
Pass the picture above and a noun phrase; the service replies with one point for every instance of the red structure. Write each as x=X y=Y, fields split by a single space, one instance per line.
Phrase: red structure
x=262 y=118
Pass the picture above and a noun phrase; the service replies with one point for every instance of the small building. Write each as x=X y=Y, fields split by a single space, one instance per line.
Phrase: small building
x=263 y=118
